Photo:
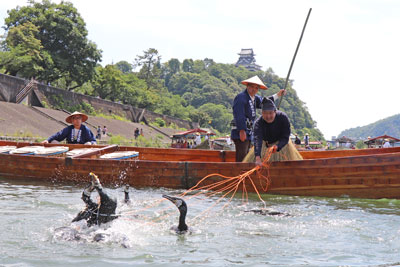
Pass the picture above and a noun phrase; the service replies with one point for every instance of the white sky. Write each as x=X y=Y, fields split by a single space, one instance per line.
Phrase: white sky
x=345 y=70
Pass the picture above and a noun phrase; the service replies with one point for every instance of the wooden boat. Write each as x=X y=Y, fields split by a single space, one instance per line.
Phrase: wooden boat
x=364 y=173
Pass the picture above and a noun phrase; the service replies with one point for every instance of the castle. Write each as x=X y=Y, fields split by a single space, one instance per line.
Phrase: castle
x=247 y=60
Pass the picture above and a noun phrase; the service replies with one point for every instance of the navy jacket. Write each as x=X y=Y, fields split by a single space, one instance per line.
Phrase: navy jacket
x=244 y=114
x=278 y=130
x=84 y=136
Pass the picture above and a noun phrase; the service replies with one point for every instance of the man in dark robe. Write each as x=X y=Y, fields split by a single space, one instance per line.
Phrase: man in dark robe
x=77 y=133
x=273 y=127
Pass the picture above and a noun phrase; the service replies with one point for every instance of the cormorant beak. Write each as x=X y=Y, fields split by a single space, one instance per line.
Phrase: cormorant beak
x=175 y=200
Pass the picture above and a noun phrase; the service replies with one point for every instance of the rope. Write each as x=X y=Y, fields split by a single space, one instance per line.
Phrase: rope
x=228 y=185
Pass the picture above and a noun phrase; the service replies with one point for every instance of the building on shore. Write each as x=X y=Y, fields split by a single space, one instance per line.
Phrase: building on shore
x=247 y=60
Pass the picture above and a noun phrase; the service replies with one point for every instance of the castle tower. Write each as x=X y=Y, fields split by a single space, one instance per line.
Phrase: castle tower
x=247 y=60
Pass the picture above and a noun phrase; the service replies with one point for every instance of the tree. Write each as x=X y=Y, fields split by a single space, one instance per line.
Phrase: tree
x=208 y=62
x=109 y=83
x=151 y=67
x=63 y=35
x=187 y=65
x=199 y=116
x=169 y=69
x=26 y=55
x=124 y=66
x=174 y=65
x=220 y=116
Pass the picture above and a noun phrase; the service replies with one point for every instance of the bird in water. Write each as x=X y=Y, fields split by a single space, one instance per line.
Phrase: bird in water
x=182 y=227
x=126 y=191
x=267 y=212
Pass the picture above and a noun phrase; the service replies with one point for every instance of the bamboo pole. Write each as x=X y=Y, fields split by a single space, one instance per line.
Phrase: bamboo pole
x=294 y=57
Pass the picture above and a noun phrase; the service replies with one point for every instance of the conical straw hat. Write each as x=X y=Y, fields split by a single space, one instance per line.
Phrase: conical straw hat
x=69 y=118
x=255 y=80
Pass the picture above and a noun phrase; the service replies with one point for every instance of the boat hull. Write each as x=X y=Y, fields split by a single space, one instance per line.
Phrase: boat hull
x=365 y=174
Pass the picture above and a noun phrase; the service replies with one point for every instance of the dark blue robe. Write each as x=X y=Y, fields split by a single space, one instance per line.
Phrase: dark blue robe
x=278 y=130
x=84 y=136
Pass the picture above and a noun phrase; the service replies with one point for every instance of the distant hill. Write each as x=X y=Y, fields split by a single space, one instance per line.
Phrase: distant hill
x=389 y=126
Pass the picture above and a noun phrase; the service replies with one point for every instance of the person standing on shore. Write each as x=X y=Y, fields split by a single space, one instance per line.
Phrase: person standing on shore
x=297 y=140
x=98 y=133
x=77 y=133
x=136 y=133
x=244 y=114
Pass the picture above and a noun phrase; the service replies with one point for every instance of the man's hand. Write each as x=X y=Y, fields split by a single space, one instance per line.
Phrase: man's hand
x=45 y=142
x=274 y=149
x=258 y=161
x=242 y=134
x=281 y=93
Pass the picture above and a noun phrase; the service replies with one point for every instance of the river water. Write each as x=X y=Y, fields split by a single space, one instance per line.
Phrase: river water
x=314 y=231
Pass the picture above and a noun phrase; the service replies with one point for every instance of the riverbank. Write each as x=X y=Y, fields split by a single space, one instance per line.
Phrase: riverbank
x=35 y=123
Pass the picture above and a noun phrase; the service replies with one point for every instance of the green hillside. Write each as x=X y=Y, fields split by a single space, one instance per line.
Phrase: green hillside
x=389 y=126
x=49 y=41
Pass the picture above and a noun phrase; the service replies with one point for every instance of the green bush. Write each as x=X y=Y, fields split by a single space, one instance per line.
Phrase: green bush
x=139 y=142
x=160 y=122
x=117 y=140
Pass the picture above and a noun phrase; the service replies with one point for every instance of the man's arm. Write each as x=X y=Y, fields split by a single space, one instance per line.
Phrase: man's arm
x=59 y=136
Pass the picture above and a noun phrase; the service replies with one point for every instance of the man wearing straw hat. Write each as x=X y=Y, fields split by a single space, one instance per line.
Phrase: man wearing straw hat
x=244 y=114
x=77 y=133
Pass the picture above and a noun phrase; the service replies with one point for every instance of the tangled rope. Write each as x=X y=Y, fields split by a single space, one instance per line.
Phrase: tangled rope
x=227 y=185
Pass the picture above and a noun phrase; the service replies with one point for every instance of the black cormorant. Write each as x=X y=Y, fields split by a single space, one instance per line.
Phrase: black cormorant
x=182 y=207
x=126 y=191
x=96 y=213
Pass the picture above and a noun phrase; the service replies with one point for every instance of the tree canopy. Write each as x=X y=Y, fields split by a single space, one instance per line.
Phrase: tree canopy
x=55 y=37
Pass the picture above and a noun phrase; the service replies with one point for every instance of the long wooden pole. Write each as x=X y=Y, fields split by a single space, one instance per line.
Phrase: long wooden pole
x=294 y=57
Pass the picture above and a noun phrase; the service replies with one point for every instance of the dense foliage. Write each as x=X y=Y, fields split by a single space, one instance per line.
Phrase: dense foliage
x=389 y=126
x=48 y=41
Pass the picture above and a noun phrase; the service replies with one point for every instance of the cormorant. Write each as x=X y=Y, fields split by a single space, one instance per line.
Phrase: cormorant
x=126 y=191
x=182 y=207
x=96 y=213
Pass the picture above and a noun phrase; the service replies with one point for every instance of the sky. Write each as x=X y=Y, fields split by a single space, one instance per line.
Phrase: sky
x=346 y=70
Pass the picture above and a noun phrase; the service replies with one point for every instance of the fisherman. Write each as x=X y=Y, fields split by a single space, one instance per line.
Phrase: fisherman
x=273 y=128
x=244 y=114
x=96 y=213
x=77 y=133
